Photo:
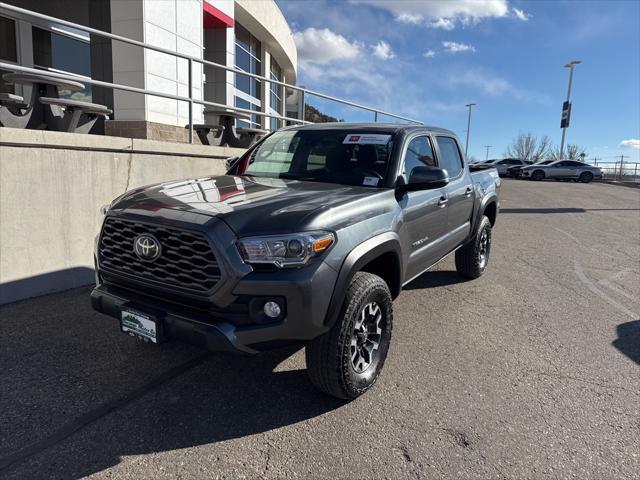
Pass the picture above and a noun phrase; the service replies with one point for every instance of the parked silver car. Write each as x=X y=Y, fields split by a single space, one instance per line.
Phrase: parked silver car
x=562 y=170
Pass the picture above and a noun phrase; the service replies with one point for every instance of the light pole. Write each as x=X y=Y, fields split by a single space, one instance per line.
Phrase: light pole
x=566 y=110
x=487 y=155
x=466 y=147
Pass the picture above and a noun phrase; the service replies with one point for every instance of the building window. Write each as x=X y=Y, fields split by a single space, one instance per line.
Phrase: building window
x=275 y=95
x=247 y=93
x=253 y=121
x=66 y=52
x=8 y=49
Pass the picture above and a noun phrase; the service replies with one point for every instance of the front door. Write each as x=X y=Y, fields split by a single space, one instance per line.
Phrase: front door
x=424 y=212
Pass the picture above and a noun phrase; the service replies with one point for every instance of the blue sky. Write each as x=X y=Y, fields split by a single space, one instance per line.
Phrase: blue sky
x=427 y=59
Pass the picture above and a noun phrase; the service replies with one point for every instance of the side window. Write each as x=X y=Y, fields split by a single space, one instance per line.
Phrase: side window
x=450 y=158
x=419 y=154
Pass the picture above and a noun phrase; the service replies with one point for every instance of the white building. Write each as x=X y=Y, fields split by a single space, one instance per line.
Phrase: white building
x=251 y=35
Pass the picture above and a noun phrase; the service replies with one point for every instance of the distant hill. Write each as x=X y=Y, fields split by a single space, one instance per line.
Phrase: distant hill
x=312 y=114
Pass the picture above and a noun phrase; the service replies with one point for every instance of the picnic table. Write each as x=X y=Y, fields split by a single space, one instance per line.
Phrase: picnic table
x=231 y=135
x=46 y=109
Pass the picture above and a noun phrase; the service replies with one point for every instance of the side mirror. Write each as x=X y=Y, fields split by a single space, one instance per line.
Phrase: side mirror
x=426 y=178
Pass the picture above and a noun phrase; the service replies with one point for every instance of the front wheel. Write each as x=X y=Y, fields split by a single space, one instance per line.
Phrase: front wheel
x=346 y=361
x=472 y=259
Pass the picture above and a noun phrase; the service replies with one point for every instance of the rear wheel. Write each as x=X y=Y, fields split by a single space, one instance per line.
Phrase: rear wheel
x=473 y=258
x=346 y=361
x=585 y=177
x=538 y=175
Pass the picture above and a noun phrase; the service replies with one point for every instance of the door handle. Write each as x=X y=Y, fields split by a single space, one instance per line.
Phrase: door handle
x=443 y=202
x=467 y=192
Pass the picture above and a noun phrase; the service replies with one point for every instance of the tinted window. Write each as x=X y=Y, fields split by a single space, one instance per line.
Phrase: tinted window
x=450 y=158
x=8 y=49
x=419 y=154
x=53 y=50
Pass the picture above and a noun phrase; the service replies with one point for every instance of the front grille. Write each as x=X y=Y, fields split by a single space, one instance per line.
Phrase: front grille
x=187 y=261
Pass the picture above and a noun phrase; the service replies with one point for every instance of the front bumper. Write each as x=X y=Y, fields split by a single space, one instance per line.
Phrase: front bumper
x=229 y=318
x=302 y=293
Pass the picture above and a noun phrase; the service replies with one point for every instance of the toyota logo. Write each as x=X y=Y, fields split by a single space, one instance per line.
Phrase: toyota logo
x=146 y=247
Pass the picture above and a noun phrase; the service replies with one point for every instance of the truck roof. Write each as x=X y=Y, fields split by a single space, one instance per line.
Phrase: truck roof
x=369 y=126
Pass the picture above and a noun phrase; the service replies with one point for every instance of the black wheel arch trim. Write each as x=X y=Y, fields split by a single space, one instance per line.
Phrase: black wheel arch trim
x=357 y=258
x=491 y=198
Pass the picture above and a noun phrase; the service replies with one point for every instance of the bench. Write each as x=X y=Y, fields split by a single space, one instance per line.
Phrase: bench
x=249 y=136
x=14 y=112
x=209 y=134
x=68 y=115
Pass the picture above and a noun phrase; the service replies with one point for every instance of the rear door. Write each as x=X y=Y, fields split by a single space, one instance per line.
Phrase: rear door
x=459 y=191
x=573 y=168
x=424 y=211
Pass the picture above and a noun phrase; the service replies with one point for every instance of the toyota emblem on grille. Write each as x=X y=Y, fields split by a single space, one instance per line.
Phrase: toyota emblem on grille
x=146 y=247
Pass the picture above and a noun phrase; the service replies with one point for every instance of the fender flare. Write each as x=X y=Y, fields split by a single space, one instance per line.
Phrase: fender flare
x=362 y=254
x=491 y=198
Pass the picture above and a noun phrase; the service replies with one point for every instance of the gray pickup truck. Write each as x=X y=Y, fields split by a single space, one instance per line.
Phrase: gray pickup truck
x=307 y=239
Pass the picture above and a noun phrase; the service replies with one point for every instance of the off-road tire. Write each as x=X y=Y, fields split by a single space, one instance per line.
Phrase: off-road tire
x=470 y=262
x=329 y=357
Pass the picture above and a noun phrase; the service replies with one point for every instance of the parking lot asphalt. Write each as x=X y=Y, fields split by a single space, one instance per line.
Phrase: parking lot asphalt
x=532 y=371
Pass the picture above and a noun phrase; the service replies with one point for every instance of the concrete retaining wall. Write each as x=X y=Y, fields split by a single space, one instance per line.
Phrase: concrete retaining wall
x=52 y=186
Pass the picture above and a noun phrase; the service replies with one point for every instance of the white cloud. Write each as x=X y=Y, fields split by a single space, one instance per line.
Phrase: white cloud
x=443 y=23
x=455 y=47
x=383 y=50
x=521 y=15
x=489 y=83
x=321 y=46
x=442 y=13
x=409 y=18
x=631 y=143
x=429 y=54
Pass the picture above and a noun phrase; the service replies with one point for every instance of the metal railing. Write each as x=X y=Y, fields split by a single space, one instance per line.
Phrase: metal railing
x=190 y=59
x=619 y=171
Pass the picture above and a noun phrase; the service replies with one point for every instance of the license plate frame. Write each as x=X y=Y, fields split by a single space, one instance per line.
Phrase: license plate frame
x=140 y=325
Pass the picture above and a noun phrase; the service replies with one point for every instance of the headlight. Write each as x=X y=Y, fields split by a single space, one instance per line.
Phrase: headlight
x=285 y=250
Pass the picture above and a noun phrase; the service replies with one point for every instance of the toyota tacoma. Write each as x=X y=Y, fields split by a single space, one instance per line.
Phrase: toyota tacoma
x=307 y=239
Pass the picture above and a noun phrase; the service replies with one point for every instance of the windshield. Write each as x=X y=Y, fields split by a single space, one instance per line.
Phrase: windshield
x=330 y=156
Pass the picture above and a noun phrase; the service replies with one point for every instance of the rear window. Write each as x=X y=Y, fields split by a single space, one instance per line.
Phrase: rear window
x=450 y=158
x=330 y=156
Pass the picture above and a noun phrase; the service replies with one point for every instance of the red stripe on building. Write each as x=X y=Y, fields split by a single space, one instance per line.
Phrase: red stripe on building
x=214 y=18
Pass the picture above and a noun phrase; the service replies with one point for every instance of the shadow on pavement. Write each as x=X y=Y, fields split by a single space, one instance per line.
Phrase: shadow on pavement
x=78 y=395
x=628 y=341
x=45 y=283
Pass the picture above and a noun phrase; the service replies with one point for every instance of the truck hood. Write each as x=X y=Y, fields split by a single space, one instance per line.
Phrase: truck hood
x=249 y=205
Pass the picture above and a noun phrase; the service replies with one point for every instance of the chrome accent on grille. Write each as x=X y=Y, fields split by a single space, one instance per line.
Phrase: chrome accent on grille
x=187 y=261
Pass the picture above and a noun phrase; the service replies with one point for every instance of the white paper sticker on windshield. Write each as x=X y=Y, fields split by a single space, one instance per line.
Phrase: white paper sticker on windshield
x=366 y=139
x=371 y=181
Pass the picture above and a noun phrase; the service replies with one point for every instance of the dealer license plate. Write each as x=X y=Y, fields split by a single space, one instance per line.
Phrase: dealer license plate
x=139 y=325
